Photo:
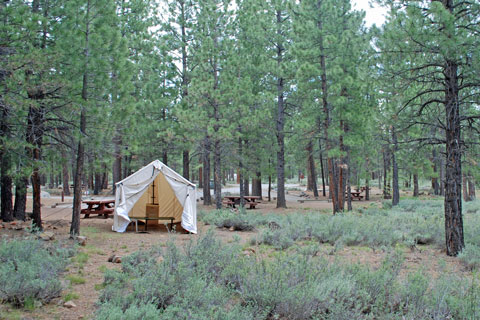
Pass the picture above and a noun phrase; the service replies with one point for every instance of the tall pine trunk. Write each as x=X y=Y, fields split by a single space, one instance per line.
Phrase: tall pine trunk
x=396 y=191
x=183 y=28
x=435 y=184
x=5 y=166
x=321 y=167
x=386 y=170
x=257 y=185
x=117 y=160
x=186 y=164
x=240 y=173
x=349 y=187
x=217 y=172
x=20 y=198
x=35 y=127
x=341 y=171
x=280 y=123
x=415 y=185
x=311 y=169
x=453 y=171
x=207 y=198
x=77 y=180
x=165 y=157
x=333 y=186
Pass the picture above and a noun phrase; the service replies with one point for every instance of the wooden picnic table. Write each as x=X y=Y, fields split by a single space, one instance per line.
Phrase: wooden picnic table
x=355 y=195
x=251 y=201
x=100 y=207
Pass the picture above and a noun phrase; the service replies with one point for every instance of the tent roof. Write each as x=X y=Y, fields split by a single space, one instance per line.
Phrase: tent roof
x=157 y=164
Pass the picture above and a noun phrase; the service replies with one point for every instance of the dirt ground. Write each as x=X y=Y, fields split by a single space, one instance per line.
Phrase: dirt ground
x=103 y=243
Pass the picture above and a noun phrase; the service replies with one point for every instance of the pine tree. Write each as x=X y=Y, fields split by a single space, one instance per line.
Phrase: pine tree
x=437 y=40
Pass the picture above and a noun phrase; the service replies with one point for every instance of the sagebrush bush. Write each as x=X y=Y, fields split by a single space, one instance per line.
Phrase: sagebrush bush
x=29 y=270
x=212 y=280
x=239 y=221
x=470 y=256
x=412 y=222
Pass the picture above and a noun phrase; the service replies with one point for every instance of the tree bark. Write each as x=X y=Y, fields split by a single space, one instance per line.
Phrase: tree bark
x=35 y=128
x=321 y=167
x=349 y=188
x=453 y=171
x=442 y=175
x=246 y=185
x=280 y=123
x=77 y=181
x=207 y=198
x=341 y=170
x=367 y=190
x=20 y=198
x=415 y=185
x=333 y=186
x=396 y=187
x=386 y=178
x=105 y=177
x=98 y=183
x=240 y=173
x=186 y=164
x=269 y=181
x=367 y=180
x=435 y=185
x=6 y=193
x=311 y=169
x=6 y=211
x=217 y=171
x=257 y=185
x=117 y=161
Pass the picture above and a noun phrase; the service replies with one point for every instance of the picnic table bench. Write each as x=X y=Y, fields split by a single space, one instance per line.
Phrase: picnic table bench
x=100 y=207
x=356 y=195
x=231 y=201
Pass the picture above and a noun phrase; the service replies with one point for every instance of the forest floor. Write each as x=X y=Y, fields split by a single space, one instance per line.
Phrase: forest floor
x=102 y=243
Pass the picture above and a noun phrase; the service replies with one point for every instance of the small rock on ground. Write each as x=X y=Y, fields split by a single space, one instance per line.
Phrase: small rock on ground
x=47 y=235
x=69 y=305
x=82 y=240
x=115 y=259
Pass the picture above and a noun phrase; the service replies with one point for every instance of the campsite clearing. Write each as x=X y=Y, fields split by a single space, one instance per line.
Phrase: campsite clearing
x=92 y=259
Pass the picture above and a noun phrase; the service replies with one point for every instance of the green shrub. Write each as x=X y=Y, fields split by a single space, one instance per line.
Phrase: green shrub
x=211 y=280
x=470 y=256
x=74 y=279
x=413 y=222
x=239 y=221
x=30 y=270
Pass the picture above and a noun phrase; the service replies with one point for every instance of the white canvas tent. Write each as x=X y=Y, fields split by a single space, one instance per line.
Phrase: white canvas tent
x=175 y=195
